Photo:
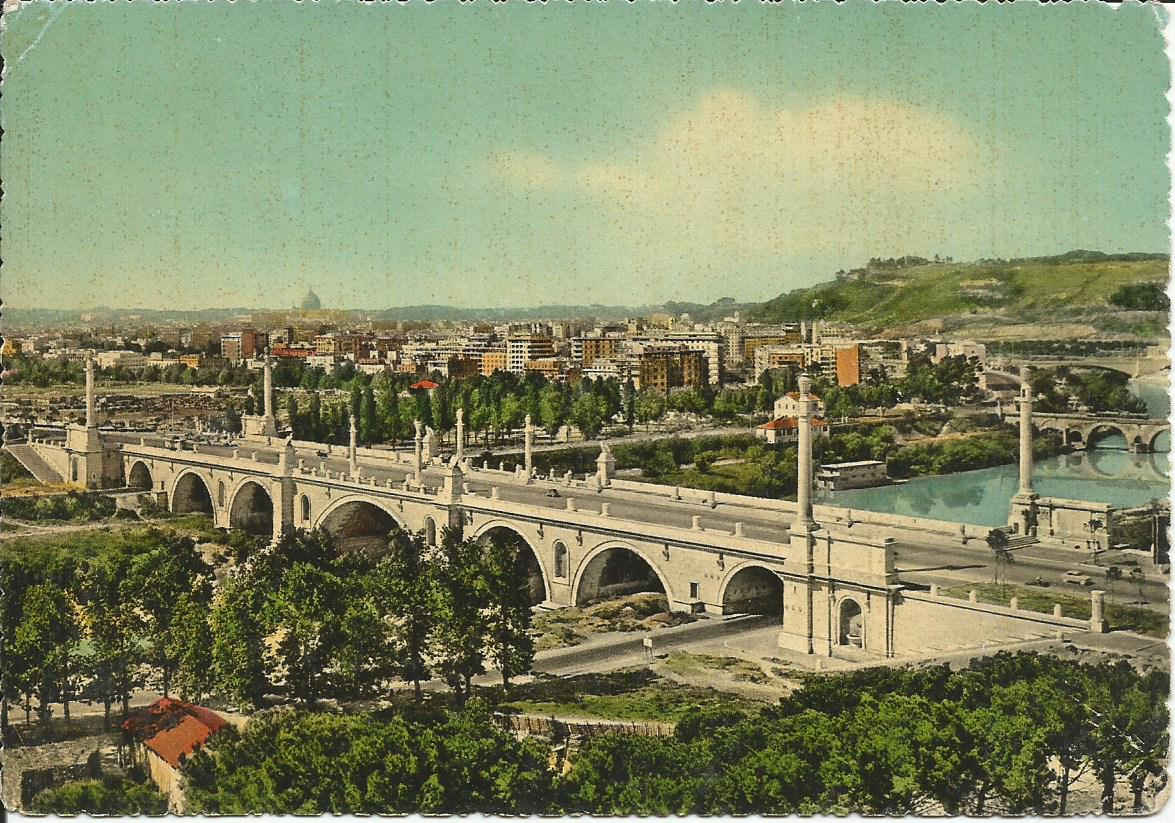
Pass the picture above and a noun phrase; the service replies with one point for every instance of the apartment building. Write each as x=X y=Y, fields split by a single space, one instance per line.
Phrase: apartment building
x=523 y=348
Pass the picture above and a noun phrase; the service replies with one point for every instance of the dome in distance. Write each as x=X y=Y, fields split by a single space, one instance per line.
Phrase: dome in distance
x=311 y=301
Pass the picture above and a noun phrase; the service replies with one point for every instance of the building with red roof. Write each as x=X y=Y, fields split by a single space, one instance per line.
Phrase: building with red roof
x=164 y=735
x=786 y=429
x=425 y=385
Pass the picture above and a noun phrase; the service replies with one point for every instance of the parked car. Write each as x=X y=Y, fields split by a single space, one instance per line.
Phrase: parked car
x=552 y=492
x=1038 y=581
x=1077 y=578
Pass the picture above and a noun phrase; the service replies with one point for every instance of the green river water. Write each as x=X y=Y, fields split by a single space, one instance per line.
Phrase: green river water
x=1106 y=474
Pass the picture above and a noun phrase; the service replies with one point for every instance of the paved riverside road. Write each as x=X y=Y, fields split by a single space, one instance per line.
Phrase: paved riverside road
x=933 y=558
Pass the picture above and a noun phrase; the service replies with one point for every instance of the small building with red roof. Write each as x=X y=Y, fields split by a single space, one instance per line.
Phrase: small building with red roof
x=786 y=429
x=424 y=385
x=164 y=735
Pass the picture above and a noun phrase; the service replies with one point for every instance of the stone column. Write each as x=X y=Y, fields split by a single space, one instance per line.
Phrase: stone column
x=1097 y=620
x=460 y=435
x=91 y=406
x=803 y=521
x=268 y=376
x=528 y=449
x=418 y=453
x=1025 y=402
x=352 y=447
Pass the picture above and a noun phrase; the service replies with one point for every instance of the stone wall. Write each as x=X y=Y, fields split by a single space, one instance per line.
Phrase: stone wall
x=923 y=621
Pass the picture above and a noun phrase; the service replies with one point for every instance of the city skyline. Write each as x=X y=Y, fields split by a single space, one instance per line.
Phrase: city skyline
x=565 y=156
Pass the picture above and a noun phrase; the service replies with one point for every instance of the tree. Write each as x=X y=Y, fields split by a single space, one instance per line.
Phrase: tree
x=650 y=406
x=461 y=625
x=406 y=589
x=629 y=404
x=370 y=430
x=587 y=412
x=305 y=611
x=552 y=408
x=237 y=642
x=158 y=580
x=997 y=541
x=112 y=624
x=509 y=644
x=189 y=644
x=47 y=640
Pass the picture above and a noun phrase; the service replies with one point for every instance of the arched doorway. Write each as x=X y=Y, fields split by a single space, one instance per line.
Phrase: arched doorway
x=430 y=531
x=615 y=572
x=753 y=590
x=191 y=495
x=356 y=525
x=252 y=510
x=140 y=477
x=526 y=563
x=851 y=624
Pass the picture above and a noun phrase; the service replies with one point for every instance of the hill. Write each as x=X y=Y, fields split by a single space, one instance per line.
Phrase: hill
x=992 y=296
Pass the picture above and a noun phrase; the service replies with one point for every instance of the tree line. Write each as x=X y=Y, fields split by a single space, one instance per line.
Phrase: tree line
x=298 y=618
x=1011 y=734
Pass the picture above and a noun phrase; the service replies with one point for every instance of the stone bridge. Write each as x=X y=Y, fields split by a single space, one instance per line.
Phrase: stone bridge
x=1081 y=430
x=828 y=576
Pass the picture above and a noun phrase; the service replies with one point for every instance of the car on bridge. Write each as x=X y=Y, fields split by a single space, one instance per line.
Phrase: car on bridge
x=1077 y=578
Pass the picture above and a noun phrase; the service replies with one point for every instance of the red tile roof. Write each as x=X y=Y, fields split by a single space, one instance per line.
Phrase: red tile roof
x=795 y=395
x=427 y=385
x=173 y=729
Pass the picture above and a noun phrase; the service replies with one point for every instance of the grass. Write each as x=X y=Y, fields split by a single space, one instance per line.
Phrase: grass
x=899 y=297
x=43 y=550
x=1119 y=615
x=688 y=663
x=636 y=694
x=573 y=625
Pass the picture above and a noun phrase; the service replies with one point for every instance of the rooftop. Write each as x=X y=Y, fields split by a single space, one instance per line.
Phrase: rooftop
x=172 y=728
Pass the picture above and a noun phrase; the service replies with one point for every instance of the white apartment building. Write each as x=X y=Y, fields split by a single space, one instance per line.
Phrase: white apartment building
x=522 y=348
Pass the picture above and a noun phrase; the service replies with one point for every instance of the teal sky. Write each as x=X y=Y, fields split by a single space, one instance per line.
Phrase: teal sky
x=195 y=154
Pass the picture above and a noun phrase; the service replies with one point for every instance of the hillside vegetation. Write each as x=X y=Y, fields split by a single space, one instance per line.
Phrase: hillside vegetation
x=897 y=294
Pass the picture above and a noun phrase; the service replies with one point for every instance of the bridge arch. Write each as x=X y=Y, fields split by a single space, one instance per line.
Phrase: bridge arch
x=251 y=509
x=597 y=573
x=529 y=562
x=1074 y=437
x=355 y=522
x=1159 y=440
x=139 y=477
x=752 y=589
x=850 y=623
x=1100 y=431
x=190 y=492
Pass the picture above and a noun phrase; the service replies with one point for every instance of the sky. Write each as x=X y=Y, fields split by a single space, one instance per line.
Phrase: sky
x=192 y=155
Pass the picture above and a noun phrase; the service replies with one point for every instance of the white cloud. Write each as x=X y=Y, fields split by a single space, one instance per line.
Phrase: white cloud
x=731 y=184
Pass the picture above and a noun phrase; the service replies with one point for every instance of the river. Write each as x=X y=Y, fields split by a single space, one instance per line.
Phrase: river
x=1107 y=474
